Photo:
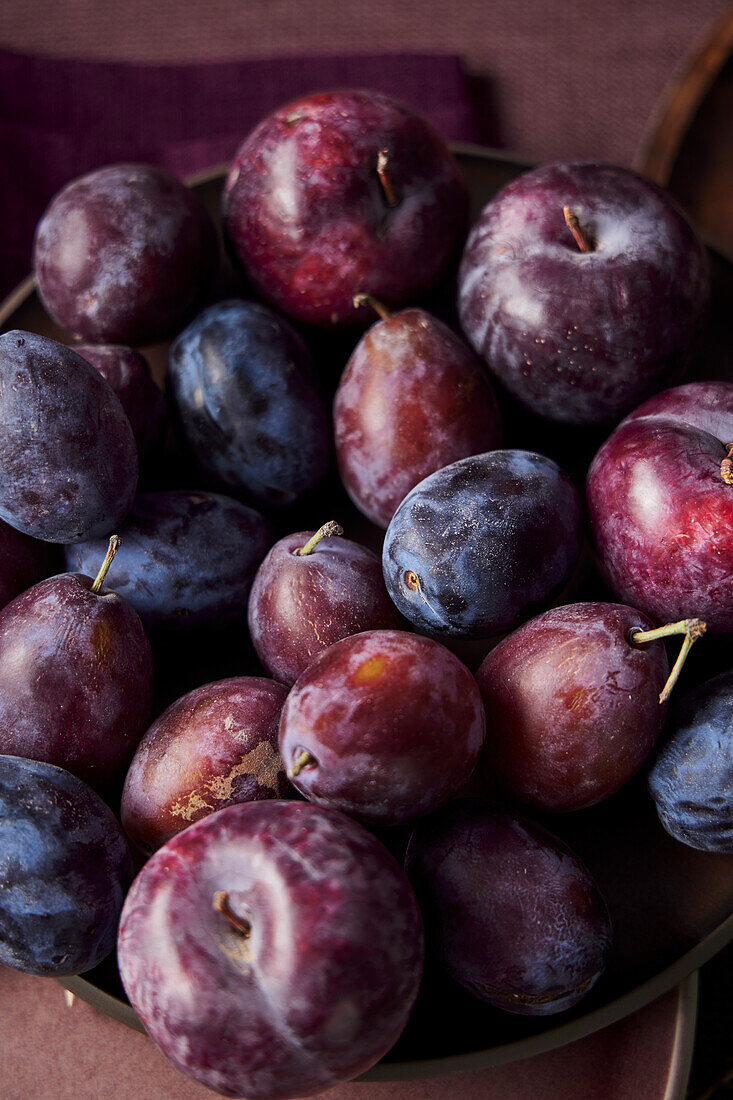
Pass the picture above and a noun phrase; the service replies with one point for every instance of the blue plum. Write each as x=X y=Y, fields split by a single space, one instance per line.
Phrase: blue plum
x=68 y=460
x=187 y=560
x=65 y=868
x=246 y=403
x=691 y=781
x=509 y=911
x=482 y=544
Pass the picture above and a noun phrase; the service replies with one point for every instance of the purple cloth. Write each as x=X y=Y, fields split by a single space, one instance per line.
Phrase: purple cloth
x=59 y=118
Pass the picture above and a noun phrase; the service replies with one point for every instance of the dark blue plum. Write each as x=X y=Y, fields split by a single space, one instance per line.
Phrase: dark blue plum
x=68 y=459
x=65 y=868
x=246 y=403
x=187 y=560
x=692 y=778
x=483 y=544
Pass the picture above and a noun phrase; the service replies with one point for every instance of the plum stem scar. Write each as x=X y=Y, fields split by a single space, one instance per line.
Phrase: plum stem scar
x=221 y=904
x=302 y=760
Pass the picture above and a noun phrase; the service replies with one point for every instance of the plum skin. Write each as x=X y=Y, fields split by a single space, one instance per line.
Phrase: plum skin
x=213 y=747
x=582 y=337
x=68 y=459
x=481 y=544
x=246 y=404
x=187 y=560
x=76 y=678
x=123 y=255
x=661 y=514
x=572 y=705
x=299 y=605
x=509 y=911
x=304 y=211
x=64 y=870
x=691 y=780
x=412 y=399
x=393 y=722
x=323 y=985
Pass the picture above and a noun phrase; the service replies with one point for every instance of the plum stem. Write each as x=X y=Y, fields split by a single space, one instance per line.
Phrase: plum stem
x=573 y=225
x=326 y=532
x=378 y=307
x=114 y=545
x=386 y=182
x=726 y=465
x=221 y=904
x=302 y=760
x=692 y=630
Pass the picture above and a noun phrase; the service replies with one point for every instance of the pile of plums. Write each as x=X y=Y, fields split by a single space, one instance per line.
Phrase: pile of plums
x=251 y=708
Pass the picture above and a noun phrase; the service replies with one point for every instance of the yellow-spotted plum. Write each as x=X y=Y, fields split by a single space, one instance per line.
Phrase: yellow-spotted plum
x=68 y=460
x=509 y=911
x=213 y=747
x=483 y=543
x=692 y=778
x=313 y=589
x=187 y=559
x=413 y=398
x=64 y=870
x=124 y=255
x=384 y=725
x=76 y=677
x=342 y=193
x=584 y=288
x=272 y=950
x=246 y=403
x=572 y=705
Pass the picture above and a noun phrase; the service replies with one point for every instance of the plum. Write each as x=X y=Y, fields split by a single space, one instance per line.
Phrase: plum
x=124 y=254
x=272 y=949
x=68 y=460
x=76 y=676
x=584 y=288
x=660 y=503
x=213 y=747
x=413 y=398
x=341 y=193
x=128 y=374
x=246 y=403
x=384 y=725
x=573 y=704
x=302 y=602
x=509 y=911
x=64 y=870
x=483 y=543
x=187 y=559
x=691 y=781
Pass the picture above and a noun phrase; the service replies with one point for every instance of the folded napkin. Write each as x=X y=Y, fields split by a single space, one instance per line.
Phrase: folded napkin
x=60 y=118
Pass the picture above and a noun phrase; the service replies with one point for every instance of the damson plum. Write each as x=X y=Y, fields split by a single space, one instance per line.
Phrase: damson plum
x=128 y=374
x=124 y=255
x=187 y=559
x=68 y=460
x=23 y=561
x=481 y=544
x=584 y=288
x=246 y=403
x=572 y=705
x=660 y=503
x=691 y=781
x=509 y=911
x=215 y=746
x=272 y=950
x=413 y=398
x=384 y=725
x=341 y=193
x=76 y=677
x=312 y=590
x=64 y=870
